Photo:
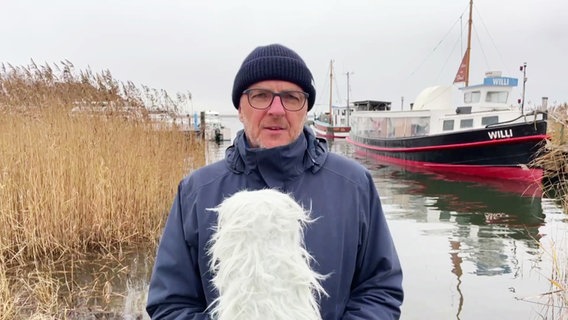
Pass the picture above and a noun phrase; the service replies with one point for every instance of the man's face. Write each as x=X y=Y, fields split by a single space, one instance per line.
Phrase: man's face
x=274 y=126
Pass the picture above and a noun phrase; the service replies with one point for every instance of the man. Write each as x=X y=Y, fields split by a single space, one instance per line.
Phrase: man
x=349 y=239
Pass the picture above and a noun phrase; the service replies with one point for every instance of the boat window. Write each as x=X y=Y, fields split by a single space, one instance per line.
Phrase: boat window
x=448 y=125
x=399 y=127
x=463 y=110
x=471 y=97
x=372 y=127
x=420 y=126
x=497 y=96
x=466 y=123
x=386 y=127
x=380 y=126
x=485 y=121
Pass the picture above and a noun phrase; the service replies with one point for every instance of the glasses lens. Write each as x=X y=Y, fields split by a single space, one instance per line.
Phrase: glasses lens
x=293 y=100
x=260 y=98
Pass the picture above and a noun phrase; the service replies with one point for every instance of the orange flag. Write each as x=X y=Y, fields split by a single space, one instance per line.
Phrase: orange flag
x=463 y=71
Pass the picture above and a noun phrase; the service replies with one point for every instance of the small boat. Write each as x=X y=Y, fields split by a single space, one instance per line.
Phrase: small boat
x=325 y=126
x=333 y=124
x=484 y=135
x=214 y=129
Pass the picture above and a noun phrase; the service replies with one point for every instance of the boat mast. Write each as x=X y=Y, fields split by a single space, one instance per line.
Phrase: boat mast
x=468 y=50
x=463 y=71
x=330 y=91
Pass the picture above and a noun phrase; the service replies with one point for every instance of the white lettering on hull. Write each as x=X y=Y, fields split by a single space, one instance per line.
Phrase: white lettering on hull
x=500 y=134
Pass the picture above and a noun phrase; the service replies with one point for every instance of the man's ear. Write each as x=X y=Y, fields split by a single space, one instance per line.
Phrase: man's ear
x=240 y=115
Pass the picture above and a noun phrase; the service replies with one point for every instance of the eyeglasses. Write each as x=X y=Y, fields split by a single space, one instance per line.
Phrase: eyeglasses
x=262 y=99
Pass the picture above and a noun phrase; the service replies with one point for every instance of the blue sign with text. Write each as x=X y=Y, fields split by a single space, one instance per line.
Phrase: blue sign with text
x=501 y=81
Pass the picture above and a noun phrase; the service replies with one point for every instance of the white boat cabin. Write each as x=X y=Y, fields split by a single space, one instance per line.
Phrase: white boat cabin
x=436 y=112
x=340 y=116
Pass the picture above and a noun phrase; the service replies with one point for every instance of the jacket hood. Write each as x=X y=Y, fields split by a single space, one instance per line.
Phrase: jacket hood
x=282 y=163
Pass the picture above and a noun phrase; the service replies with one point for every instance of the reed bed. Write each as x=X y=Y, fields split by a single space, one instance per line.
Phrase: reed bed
x=557 y=297
x=554 y=156
x=73 y=183
x=554 y=160
x=7 y=305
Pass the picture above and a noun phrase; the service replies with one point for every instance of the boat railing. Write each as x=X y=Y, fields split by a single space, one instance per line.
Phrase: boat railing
x=533 y=113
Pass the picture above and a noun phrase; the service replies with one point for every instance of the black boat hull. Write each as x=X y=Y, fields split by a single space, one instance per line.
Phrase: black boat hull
x=504 y=151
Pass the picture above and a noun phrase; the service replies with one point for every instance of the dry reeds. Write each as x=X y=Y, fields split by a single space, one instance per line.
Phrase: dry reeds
x=554 y=160
x=555 y=301
x=78 y=182
x=554 y=156
x=7 y=304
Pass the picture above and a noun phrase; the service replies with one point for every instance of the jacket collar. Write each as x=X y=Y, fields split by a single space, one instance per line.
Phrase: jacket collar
x=280 y=164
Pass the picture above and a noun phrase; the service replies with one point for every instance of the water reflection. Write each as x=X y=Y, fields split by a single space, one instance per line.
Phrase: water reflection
x=471 y=203
x=471 y=246
x=484 y=218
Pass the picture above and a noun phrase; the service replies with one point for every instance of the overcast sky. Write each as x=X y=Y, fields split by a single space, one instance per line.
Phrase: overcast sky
x=393 y=48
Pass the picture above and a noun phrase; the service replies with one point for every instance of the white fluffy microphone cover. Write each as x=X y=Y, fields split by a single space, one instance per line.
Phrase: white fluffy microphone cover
x=260 y=266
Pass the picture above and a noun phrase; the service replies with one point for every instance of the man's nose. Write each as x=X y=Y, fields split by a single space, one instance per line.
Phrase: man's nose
x=276 y=107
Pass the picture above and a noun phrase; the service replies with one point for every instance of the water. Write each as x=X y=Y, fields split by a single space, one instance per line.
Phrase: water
x=469 y=249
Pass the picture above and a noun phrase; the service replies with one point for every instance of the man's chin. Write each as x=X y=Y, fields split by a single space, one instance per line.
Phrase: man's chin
x=273 y=143
x=273 y=140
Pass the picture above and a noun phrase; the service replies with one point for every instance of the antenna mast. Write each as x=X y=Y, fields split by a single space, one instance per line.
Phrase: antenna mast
x=524 y=70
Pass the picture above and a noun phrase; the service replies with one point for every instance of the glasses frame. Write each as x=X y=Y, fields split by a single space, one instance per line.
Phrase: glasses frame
x=276 y=94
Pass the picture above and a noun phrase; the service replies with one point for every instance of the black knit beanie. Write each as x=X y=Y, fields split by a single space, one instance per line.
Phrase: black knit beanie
x=273 y=62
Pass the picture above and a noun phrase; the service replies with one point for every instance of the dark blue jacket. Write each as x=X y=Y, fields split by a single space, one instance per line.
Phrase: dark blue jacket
x=350 y=240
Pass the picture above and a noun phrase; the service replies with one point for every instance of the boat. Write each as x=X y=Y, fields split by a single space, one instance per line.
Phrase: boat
x=483 y=135
x=214 y=129
x=333 y=124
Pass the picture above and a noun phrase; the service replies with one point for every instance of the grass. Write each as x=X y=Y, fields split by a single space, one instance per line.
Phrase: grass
x=7 y=305
x=554 y=157
x=553 y=303
x=74 y=183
